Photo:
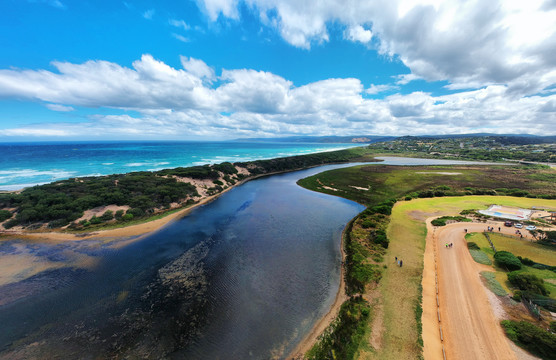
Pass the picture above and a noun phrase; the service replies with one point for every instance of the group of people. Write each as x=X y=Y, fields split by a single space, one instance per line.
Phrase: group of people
x=400 y=262
x=491 y=228
x=449 y=245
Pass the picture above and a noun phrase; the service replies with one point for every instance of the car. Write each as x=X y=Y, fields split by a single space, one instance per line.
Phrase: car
x=508 y=224
x=531 y=227
x=518 y=225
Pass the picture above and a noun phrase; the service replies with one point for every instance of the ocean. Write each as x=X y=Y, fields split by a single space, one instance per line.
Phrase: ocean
x=28 y=164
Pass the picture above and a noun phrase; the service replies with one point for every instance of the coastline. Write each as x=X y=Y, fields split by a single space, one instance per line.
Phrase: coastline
x=146 y=228
x=140 y=230
x=324 y=322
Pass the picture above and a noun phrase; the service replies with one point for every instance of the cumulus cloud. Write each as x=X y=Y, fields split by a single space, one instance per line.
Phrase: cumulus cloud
x=198 y=68
x=471 y=44
x=358 y=33
x=377 y=89
x=194 y=101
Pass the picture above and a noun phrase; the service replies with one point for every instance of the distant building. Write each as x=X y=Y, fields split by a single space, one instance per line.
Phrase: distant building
x=509 y=213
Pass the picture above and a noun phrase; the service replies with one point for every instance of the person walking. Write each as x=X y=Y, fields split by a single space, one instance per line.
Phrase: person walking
x=401 y=263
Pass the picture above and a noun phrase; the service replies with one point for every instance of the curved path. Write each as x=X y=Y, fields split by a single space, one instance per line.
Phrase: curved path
x=469 y=327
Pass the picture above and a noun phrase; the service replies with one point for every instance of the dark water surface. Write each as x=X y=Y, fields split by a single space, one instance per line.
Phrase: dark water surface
x=245 y=276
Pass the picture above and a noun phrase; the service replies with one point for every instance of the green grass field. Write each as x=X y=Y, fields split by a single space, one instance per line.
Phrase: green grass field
x=519 y=247
x=400 y=288
x=525 y=248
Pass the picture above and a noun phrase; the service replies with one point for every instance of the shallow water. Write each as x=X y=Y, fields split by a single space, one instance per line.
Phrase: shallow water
x=245 y=276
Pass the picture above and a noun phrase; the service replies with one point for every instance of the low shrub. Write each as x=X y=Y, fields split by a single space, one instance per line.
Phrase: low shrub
x=528 y=282
x=480 y=257
x=107 y=216
x=95 y=220
x=10 y=223
x=473 y=246
x=379 y=237
x=532 y=338
x=342 y=338
x=441 y=221
x=5 y=215
x=493 y=284
x=127 y=217
x=57 y=223
x=507 y=260
x=526 y=261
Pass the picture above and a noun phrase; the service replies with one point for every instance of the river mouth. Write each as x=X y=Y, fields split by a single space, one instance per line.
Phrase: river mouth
x=245 y=276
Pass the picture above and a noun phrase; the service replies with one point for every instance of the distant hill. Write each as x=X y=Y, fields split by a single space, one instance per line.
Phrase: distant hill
x=505 y=139
x=359 y=139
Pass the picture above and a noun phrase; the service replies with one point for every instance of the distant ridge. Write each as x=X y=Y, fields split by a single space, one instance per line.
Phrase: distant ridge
x=359 y=139
x=520 y=139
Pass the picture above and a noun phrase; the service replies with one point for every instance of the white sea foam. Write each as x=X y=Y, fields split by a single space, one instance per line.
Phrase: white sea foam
x=137 y=164
x=19 y=186
x=6 y=175
x=107 y=164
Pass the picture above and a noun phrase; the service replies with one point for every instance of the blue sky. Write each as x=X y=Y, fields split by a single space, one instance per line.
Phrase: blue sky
x=219 y=69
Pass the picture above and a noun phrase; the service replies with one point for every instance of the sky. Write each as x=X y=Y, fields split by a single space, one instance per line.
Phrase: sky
x=224 y=69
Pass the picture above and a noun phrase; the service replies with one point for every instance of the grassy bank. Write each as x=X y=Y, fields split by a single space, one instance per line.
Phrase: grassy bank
x=399 y=288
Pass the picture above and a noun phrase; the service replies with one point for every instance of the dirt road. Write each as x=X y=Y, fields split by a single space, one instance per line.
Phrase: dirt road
x=470 y=329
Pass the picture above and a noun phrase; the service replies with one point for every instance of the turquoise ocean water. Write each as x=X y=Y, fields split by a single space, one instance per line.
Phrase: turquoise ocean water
x=27 y=164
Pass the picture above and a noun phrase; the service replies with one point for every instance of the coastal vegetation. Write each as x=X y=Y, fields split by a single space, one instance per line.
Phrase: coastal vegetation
x=485 y=148
x=373 y=272
x=538 y=341
x=139 y=196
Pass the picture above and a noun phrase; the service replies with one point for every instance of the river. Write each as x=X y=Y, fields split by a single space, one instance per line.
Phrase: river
x=245 y=276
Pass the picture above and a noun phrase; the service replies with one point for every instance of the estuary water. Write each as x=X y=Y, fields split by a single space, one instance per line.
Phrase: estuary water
x=243 y=277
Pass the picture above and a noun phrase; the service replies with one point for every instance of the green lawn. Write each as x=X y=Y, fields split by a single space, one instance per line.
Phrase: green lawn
x=525 y=248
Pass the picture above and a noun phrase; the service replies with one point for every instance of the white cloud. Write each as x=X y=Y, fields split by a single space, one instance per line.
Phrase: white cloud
x=54 y=3
x=36 y=132
x=197 y=67
x=358 y=33
x=404 y=79
x=196 y=102
x=470 y=43
x=214 y=8
x=148 y=14
x=58 y=107
x=179 y=24
x=180 y=37
x=377 y=89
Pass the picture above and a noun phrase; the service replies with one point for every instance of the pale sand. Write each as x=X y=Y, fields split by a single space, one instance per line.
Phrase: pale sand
x=470 y=326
